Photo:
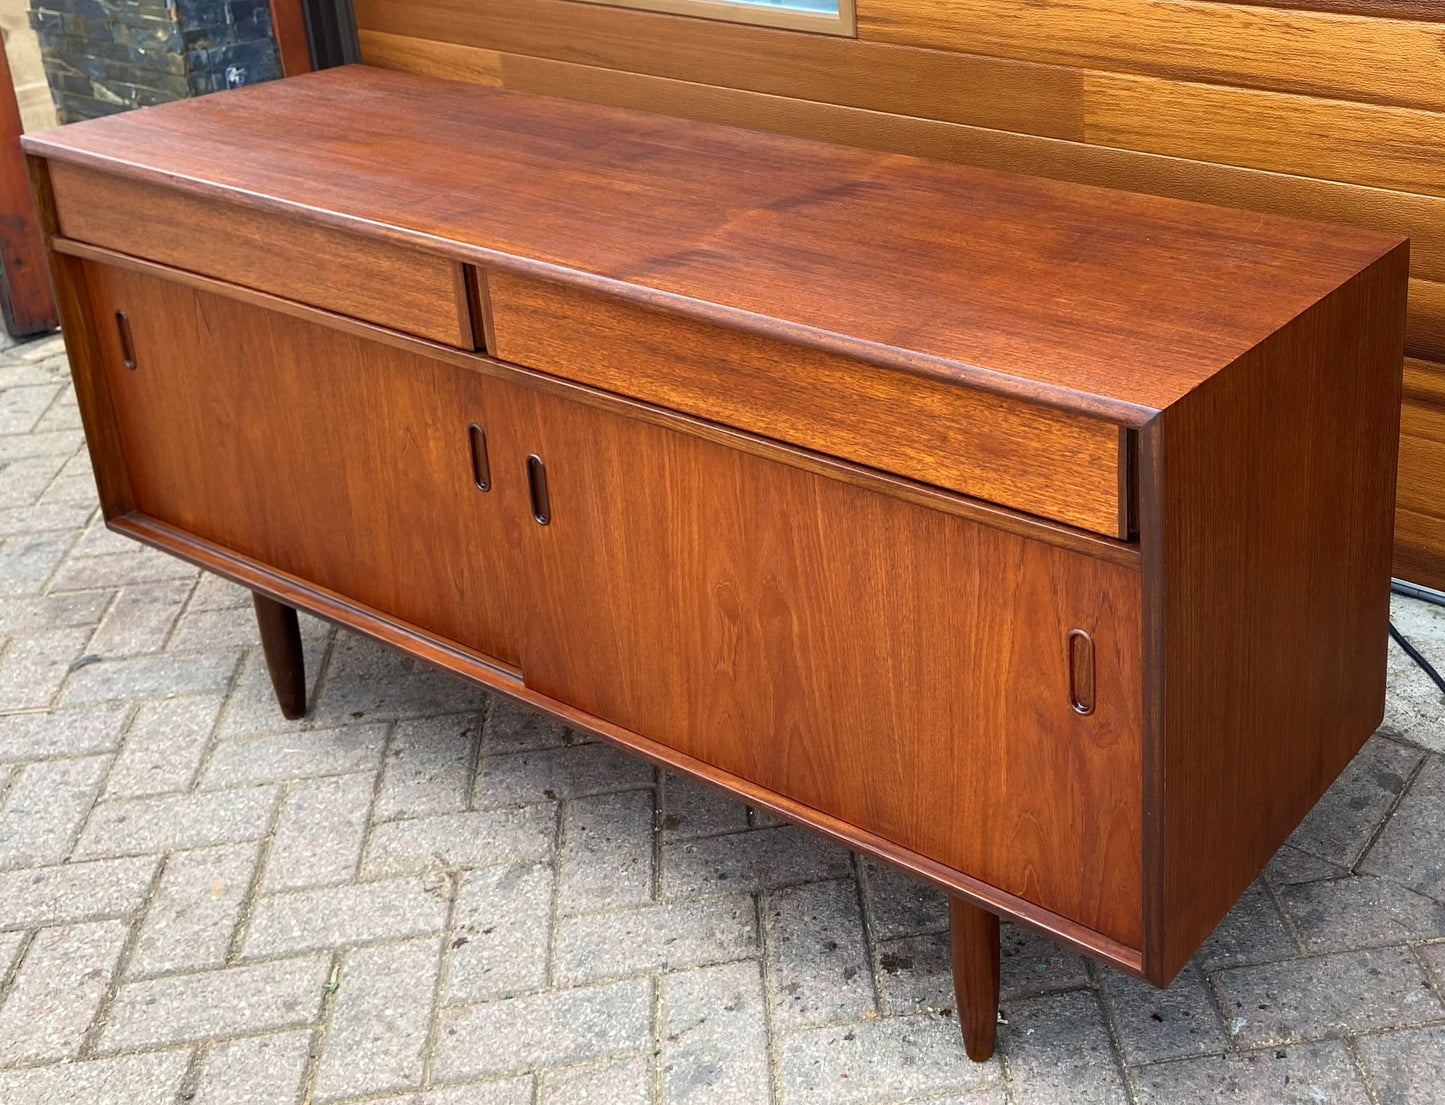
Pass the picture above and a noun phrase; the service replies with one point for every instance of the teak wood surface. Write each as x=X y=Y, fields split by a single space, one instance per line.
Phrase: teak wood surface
x=1105 y=738
x=1329 y=109
x=1096 y=301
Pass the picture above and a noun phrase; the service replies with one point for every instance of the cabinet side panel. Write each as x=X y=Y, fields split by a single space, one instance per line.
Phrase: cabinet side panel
x=1267 y=539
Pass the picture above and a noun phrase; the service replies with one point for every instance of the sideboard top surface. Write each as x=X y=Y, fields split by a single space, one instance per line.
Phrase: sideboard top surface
x=1086 y=298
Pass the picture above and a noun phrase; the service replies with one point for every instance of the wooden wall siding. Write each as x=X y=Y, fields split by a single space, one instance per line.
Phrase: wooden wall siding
x=1331 y=109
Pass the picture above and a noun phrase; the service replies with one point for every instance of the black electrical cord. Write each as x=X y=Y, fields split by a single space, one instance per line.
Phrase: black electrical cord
x=1414 y=654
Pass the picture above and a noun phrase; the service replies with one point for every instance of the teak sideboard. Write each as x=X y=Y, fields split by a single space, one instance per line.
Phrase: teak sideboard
x=1032 y=537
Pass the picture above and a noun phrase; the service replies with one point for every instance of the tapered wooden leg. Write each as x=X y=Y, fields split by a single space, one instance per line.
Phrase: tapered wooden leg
x=973 y=933
x=281 y=641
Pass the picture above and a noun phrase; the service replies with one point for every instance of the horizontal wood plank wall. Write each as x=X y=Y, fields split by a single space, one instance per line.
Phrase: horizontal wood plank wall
x=1331 y=109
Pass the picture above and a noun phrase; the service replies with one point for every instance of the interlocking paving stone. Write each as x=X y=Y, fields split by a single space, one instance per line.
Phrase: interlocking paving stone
x=10 y=943
x=34 y=665
x=541 y=1030
x=141 y=618
x=305 y=920
x=124 y=569
x=1433 y=956
x=1407 y=1067
x=74 y=891
x=1340 y=826
x=21 y=407
x=606 y=857
x=256 y=1070
x=164 y=747
x=379 y=1020
x=511 y=728
x=595 y=946
x=501 y=921
x=1303 y=1074
x=1031 y=964
x=714 y=1036
x=1339 y=914
x=58 y=611
x=817 y=954
x=1252 y=932
x=558 y=773
x=1058 y=1049
x=1331 y=995
x=688 y=809
x=1290 y=866
x=878 y=1060
x=153 y=1078
x=478 y=839
x=27 y=560
x=142 y=676
x=429 y=766
x=915 y=973
x=1411 y=848
x=756 y=860
x=44 y=808
x=57 y=991
x=191 y=919
x=1156 y=1024
x=617 y=1082
x=319 y=834
x=295 y=755
x=235 y=1001
x=900 y=906
x=139 y=825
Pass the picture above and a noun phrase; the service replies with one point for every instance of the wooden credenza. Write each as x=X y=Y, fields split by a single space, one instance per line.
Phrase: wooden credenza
x=1032 y=537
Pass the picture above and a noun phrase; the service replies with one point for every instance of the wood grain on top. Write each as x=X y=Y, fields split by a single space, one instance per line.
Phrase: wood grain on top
x=1090 y=299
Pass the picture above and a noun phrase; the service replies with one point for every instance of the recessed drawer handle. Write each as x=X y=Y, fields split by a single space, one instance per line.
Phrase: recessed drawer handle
x=127 y=343
x=481 y=467
x=1081 y=671
x=537 y=484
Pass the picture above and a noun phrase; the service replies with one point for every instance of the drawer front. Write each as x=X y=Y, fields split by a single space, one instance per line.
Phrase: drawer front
x=916 y=674
x=1061 y=466
x=394 y=286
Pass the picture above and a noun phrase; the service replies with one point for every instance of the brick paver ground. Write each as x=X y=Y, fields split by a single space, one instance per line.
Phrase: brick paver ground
x=418 y=895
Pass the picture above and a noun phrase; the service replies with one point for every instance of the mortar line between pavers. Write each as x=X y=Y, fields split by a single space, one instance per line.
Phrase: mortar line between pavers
x=60 y=563
x=1301 y=945
x=182 y=612
x=1352 y=1048
x=191 y=1080
x=96 y=790
x=99 y=625
x=7 y=980
x=133 y=711
x=1435 y=981
x=654 y=1061
x=1399 y=799
x=323 y=1024
x=90 y=1039
x=444 y=965
x=60 y=389
x=369 y=823
x=1111 y=1027
x=770 y=1022
x=241 y=927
